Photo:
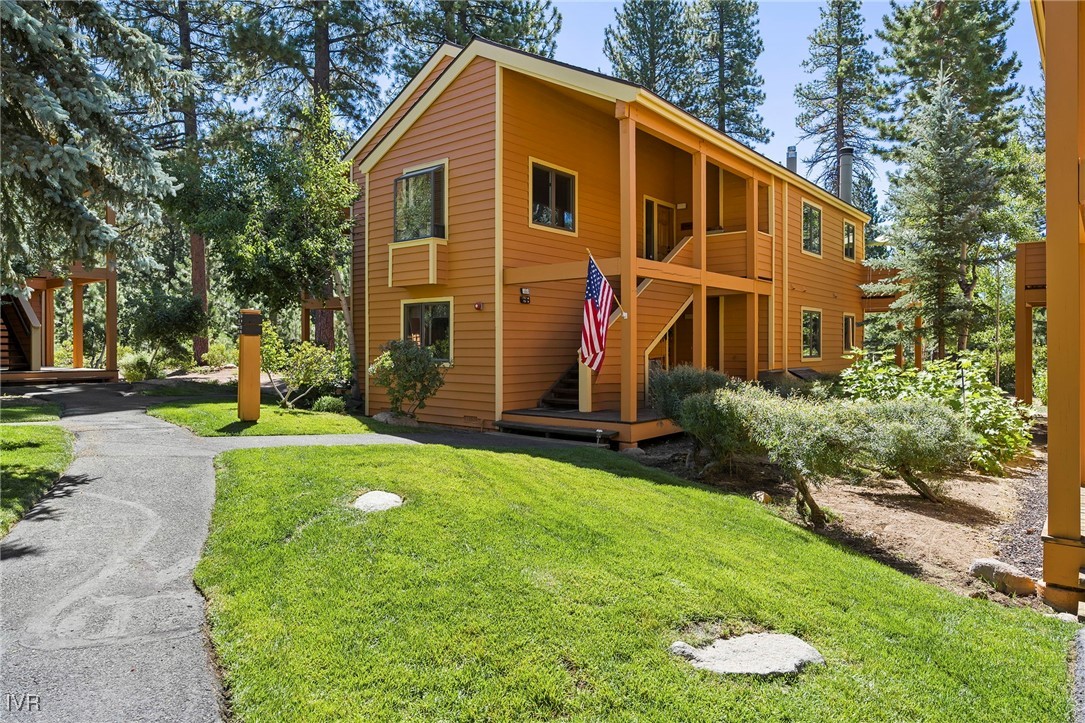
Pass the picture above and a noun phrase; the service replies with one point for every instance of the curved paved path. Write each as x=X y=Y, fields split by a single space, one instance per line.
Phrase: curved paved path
x=100 y=618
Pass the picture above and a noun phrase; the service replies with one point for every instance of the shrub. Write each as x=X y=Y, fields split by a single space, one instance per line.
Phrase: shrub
x=219 y=355
x=335 y=405
x=138 y=367
x=1039 y=385
x=668 y=388
x=717 y=423
x=909 y=438
x=409 y=373
x=303 y=368
x=961 y=384
x=164 y=322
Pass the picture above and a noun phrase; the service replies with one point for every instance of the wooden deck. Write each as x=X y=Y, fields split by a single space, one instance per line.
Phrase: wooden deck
x=649 y=425
x=57 y=375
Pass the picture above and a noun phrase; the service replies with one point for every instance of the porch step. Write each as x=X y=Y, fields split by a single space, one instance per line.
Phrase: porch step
x=565 y=393
x=599 y=436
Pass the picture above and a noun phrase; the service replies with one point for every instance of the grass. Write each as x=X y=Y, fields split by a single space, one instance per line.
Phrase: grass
x=517 y=587
x=24 y=409
x=31 y=460
x=219 y=419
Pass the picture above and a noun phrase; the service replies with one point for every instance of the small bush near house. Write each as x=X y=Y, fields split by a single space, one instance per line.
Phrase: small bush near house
x=668 y=388
x=409 y=373
x=335 y=405
x=302 y=368
x=1000 y=423
x=138 y=367
x=909 y=438
x=219 y=355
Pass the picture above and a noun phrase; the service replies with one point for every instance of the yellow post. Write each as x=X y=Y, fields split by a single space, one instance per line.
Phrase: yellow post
x=627 y=157
x=77 y=326
x=248 y=366
x=700 y=259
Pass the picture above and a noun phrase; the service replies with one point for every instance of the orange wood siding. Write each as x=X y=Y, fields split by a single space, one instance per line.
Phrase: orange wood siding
x=357 y=292
x=541 y=338
x=830 y=283
x=459 y=126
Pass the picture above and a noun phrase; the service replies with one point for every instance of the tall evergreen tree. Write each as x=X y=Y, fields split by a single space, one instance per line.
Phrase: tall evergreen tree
x=422 y=25
x=195 y=35
x=68 y=67
x=966 y=39
x=727 y=43
x=865 y=198
x=836 y=109
x=648 y=44
x=940 y=207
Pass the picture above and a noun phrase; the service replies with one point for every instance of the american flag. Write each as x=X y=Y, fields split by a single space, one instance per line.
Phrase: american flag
x=598 y=298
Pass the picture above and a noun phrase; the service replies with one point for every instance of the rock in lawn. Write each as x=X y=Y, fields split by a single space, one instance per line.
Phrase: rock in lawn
x=377 y=501
x=634 y=452
x=754 y=654
x=1004 y=576
x=763 y=497
x=401 y=420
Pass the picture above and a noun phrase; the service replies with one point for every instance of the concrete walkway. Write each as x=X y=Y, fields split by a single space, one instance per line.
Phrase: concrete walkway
x=100 y=619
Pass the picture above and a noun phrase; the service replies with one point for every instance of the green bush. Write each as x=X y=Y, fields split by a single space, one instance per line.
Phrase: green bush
x=668 y=388
x=220 y=355
x=909 y=438
x=1039 y=386
x=302 y=368
x=717 y=423
x=138 y=367
x=165 y=323
x=335 y=405
x=409 y=373
x=963 y=385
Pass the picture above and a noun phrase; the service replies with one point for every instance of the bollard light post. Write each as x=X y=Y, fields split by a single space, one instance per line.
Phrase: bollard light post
x=248 y=366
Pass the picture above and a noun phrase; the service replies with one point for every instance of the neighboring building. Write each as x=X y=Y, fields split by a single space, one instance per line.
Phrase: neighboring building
x=488 y=179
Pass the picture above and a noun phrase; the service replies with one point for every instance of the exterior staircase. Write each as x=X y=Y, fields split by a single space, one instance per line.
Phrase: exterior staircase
x=15 y=336
x=565 y=393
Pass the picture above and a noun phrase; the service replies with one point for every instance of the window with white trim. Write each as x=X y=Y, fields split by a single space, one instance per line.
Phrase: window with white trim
x=420 y=204
x=553 y=198
x=849 y=240
x=849 y=332
x=429 y=324
x=811 y=228
x=811 y=334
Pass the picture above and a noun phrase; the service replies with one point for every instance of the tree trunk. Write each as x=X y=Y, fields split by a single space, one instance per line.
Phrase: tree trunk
x=804 y=501
x=197 y=245
x=913 y=480
x=343 y=293
x=324 y=318
x=838 y=132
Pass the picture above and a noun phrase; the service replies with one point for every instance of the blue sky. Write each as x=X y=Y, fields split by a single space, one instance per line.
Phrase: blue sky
x=784 y=30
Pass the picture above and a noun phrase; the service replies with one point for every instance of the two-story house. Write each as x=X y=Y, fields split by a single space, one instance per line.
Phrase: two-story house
x=483 y=187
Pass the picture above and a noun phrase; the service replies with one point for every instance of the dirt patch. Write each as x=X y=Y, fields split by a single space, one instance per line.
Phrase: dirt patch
x=885 y=519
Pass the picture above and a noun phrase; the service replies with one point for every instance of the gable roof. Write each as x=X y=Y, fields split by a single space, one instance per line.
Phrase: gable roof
x=591 y=83
x=447 y=50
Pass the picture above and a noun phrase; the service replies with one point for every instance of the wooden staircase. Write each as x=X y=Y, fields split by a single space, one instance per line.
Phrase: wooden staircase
x=15 y=337
x=565 y=392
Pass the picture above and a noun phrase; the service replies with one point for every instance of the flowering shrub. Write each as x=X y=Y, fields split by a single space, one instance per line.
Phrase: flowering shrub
x=302 y=368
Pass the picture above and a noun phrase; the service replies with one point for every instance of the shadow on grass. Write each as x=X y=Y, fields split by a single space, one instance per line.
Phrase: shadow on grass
x=236 y=427
x=10 y=445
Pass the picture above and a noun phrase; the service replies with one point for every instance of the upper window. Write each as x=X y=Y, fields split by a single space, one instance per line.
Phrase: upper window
x=811 y=228
x=849 y=240
x=429 y=324
x=420 y=204
x=811 y=334
x=553 y=198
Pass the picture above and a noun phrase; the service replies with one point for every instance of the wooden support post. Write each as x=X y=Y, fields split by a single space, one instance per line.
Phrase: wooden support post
x=752 y=307
x=700 y=260
x=48 y=327
x=898 y=351
x=628 y=286
x=584 y=388
x=1064 y=551
x=1022 y=344
x=306 y=315
x=751 y=228
x=77 y=325
x=919 y=342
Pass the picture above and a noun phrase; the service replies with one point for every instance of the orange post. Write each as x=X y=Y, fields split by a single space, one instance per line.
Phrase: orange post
x=248 y=366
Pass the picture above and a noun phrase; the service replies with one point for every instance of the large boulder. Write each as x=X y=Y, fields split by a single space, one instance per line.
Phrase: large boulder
x=1003 y=576
x=754 y=654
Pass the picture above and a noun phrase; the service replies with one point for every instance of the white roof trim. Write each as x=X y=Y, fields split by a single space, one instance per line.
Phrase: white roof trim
x=447 y=50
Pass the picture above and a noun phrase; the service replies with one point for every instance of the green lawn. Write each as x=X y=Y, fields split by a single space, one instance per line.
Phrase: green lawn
x=517 y=587
x=25 y=409
x=31 y=460
x=219 y=419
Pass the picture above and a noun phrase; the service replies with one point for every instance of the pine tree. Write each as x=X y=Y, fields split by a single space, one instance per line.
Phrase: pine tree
x=966 y=39
x=836 y=106
x=648 y=44
x=422 y=25
x=727 y=44
x=68 y=67
x=865 y=198
x=194 y=33
x=940 y=233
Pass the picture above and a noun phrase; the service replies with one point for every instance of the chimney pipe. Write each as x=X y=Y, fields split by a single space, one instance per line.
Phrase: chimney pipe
x=847 y=159
x=792 y=159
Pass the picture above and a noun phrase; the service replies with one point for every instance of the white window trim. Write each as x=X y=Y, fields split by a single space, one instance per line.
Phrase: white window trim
x=854 y=332
x=451 y=301
x=802 y=333
x=416 y=169
x=531 y=163
x=802 y=231
x=844 y=239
